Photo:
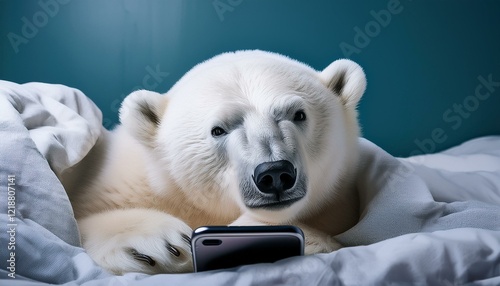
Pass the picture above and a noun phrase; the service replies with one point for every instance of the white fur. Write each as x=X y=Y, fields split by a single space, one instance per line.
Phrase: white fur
x=162 y=172
x=109 y=236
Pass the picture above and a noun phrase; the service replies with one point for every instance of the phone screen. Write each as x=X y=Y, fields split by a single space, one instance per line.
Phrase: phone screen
x=230 y=247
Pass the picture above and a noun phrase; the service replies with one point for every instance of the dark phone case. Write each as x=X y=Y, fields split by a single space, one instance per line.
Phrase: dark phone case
x=219 y=247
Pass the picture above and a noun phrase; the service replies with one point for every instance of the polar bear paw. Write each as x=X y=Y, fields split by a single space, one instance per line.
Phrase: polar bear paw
x=318 y=242
x=137 y=240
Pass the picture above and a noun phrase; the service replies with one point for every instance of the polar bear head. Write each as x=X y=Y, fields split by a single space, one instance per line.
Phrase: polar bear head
x=252 y=130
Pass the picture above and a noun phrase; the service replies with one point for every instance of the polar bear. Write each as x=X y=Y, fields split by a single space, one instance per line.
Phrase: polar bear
x=245 y=138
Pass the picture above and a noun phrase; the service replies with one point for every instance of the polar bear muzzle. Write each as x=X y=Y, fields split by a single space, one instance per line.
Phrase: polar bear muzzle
x=275 y=177
x=274 y=186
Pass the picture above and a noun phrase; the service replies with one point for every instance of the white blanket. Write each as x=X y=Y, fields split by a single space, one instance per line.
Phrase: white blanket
x=432 y=219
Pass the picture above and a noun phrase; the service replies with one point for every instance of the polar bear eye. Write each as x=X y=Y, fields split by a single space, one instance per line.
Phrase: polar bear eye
x=218 y=131
x=299 y=116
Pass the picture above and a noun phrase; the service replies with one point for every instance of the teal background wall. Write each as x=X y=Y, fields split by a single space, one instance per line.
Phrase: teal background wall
x=424 y=59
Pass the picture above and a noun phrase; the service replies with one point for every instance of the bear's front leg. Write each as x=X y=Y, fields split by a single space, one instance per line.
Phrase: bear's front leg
x=315 y=241
x=137 y=240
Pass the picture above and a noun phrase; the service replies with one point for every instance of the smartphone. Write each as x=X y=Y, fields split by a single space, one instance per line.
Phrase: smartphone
x=220 y=247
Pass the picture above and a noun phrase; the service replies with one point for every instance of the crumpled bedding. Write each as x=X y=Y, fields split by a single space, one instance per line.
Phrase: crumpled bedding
x=426 y=220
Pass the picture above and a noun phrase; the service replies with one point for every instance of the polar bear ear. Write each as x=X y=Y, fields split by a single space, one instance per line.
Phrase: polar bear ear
x=346 y=79
x=140 y=115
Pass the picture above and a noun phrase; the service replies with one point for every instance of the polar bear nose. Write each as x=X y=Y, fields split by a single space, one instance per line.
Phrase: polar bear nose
x=275 y=177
